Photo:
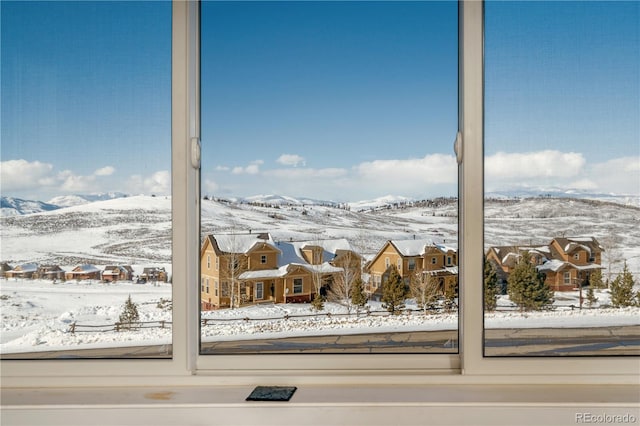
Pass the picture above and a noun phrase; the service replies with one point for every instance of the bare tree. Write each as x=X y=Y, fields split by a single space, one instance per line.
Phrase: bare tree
x=425 y=289
x=611 y=253
x=344 y=281
x=232 y=266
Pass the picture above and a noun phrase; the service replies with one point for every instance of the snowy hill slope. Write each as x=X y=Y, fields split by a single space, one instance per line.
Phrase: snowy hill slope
x=16 y=206
x=137 y=229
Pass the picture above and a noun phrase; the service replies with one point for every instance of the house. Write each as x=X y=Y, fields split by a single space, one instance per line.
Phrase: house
x=83 y=272
x=27 y=270
x=117 y=273
x=565 y=262
x=153 y=273
x=4 y=268
x=572 y=262
x=242 y=269
x=413 y=258
x=51 y=272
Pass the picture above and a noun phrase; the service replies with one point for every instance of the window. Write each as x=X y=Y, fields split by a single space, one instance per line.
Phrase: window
x=215 y=288
x=340 y=89
x=263 y=259
x=434 y=260
x=82 y=81
x=217 y=263
x=208 y=261
x=478 y=368
x=259 y=291
x=412 y=264
x=561 y=84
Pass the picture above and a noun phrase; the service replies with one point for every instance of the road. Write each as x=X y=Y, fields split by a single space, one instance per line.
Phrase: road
x=624 y=340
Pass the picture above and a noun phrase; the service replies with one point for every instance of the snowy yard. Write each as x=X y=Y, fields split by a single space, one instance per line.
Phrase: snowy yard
x=37 y=315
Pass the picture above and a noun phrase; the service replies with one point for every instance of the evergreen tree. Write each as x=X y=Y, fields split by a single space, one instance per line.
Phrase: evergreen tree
x=358 y=296
x=591 y=297
x=393 y=292
x=622 y=289
x=129 y=313
x=318 y=302
x=491 y=287
x=595 y=279
x=450 y=295
x=526 y=286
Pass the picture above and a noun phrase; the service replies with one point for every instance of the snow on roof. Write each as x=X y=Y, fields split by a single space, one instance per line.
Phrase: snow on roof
x=324 y=268
x=27 y=267
x=552 y=265
x=265 y=273
x=291 y=251
x=412 y=247
x=240 y=243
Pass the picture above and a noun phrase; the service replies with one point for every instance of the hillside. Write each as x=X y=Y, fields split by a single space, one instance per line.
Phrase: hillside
x=136 y=229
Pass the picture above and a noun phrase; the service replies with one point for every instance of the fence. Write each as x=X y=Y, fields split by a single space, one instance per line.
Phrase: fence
x=118 y=326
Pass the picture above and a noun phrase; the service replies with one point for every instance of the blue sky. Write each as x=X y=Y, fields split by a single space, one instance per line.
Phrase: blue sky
x=332 y=100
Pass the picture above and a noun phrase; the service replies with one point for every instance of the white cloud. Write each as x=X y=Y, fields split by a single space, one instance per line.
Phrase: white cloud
x=291 y=160
x=252 y=169
x=75 y=183
x=618 y=175
x=158 y=183
x=527 y=165
x=209 y=186
x=413 y=173
x=17 y=175
x=104 y=171
x=222 y=169
x=307 y=174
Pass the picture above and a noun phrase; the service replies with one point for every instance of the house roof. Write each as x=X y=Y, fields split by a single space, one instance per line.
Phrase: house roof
x=291 y=251
x=86 y=268
x=570 y=244
x=26 y=267
x=239 y=243
x=282 y=271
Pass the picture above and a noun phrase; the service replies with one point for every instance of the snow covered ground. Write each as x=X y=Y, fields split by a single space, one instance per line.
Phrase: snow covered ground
x=37 y=315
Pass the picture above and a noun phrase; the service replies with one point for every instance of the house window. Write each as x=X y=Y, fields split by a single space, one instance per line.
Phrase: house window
x=259 y=291
x=263 y=259
x=399 y=264
x=387 y=262
x=207 y=284
x=217 y=263
x=215 y=288
x=208 y=262
x=448 y=260
x=556 y=78
x=434 y=260
x=297 y=285
x=412 y=264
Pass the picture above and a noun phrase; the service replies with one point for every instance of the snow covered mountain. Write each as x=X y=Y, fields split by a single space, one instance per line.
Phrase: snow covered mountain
x=16 y=206
x=76 y=200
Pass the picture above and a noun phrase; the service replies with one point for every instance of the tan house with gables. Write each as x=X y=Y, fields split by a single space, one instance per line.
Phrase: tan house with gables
x=245 y=269
x=117 y=273
x=411 y=257
x=566 y=262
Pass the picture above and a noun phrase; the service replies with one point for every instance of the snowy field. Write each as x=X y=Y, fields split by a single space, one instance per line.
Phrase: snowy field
x=37 y=315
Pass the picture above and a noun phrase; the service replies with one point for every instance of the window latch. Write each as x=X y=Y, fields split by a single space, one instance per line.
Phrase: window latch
x=195 y=153
x=457 y=147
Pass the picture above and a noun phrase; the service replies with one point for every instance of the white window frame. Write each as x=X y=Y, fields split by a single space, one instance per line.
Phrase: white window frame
x=259 y=294
x=186 y=367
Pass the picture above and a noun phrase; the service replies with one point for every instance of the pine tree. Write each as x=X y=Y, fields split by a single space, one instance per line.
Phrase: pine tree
x=129 y=313
x=595 y=279
x=622 y=289
x=318 y=302
x=393 y=292
x=526 y=286
x=358 y=296
x=591 y=297
x=491 y=288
